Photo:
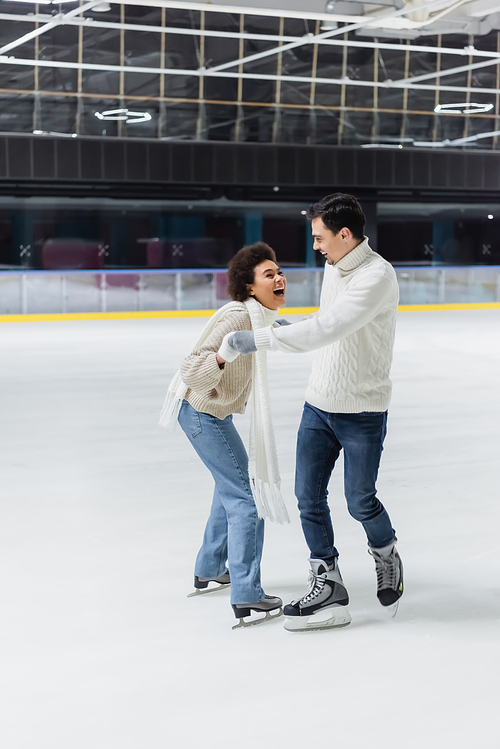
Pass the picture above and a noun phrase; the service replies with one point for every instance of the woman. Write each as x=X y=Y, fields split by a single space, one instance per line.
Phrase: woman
x=204 y=395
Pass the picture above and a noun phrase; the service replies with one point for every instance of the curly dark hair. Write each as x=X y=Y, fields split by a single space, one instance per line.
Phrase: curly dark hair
x=339 y=210
x=241 y=269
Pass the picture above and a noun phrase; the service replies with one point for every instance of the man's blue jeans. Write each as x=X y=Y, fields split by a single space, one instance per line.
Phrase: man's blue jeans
x=320 y=439
x=234 y=532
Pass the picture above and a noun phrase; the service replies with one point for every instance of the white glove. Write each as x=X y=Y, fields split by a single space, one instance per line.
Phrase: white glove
x=226 y=351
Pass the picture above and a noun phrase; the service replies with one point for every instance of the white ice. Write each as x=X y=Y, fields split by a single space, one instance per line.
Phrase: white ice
x=102 y=513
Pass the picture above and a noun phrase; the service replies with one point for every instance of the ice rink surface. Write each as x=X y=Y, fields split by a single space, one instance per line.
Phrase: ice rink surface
x=102 y=514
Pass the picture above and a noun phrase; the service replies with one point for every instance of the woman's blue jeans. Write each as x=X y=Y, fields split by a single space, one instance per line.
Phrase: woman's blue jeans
x=320 y=439
x=234 y=532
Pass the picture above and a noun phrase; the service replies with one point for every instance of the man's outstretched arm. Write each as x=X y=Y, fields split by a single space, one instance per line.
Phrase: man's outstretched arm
x=351 y=310
x=242 y=342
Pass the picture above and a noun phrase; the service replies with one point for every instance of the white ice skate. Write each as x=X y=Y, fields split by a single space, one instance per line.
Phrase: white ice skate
x=324 y=605
x=268 y=604
x=202 y=584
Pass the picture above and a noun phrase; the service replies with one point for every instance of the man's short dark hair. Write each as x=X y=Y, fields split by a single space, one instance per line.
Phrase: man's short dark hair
x=339 y=210
x=242 y=266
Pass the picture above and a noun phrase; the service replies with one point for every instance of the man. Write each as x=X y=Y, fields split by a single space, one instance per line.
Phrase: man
x=346 y=406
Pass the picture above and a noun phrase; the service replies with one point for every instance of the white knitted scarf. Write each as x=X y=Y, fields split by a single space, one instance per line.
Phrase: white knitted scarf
x=263 y=467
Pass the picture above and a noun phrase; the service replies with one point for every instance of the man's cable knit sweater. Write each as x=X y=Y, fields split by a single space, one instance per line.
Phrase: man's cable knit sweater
x=354 y=330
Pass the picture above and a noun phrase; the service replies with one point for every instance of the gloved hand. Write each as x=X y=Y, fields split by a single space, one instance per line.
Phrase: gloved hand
x=234 y=344
x=226 y=351
x=243 y=341
x=282 y=321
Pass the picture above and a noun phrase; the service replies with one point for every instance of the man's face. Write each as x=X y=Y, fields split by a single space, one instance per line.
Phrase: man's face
x=332 y=246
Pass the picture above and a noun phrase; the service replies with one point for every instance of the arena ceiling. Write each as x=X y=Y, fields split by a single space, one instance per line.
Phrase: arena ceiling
x=387 y=74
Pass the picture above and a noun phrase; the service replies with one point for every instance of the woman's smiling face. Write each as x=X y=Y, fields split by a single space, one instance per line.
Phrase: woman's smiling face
x=268 y=285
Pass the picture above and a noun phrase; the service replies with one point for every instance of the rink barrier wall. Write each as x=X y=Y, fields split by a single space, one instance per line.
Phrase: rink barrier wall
x=189 y=292
x=75 y=316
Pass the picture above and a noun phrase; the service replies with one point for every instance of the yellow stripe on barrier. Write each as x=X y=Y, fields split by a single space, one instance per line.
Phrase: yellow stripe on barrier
x=60 y=316
x=445 y=307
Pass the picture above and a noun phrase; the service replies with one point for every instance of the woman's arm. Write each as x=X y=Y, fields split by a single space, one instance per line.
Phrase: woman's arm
x=202 y=370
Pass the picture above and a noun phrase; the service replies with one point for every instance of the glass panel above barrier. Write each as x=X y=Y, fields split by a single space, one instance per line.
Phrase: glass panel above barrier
x=38 y=292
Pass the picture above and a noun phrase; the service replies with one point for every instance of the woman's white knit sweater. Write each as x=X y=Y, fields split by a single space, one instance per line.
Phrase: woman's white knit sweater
x=354 y=330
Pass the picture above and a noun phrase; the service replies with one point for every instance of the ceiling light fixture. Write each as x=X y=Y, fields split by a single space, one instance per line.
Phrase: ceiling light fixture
x=124 y=115
x=463 y=108
x=43 y=2
x=382 y=145
x=99 y=8
x=59 y=135
x=457 y=141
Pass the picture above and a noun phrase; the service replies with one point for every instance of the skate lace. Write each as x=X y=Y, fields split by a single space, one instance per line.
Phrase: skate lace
x=315 y=587
x=387 y=570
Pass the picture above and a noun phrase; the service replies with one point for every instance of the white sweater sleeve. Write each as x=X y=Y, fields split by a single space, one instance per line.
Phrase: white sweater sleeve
x=353 y=308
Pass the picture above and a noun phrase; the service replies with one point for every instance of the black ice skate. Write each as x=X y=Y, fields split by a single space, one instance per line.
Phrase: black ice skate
x=389 y=570
x=324 y=605
x=201 y=584
x=268 y=604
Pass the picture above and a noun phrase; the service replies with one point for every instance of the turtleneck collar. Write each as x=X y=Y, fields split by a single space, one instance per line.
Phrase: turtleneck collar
x=355 y=257
x=268 y=316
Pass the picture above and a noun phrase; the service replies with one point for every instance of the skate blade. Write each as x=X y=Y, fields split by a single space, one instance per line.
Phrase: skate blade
x=326 y=619
x=202 y=591
x=393 y=609
x=252 y=623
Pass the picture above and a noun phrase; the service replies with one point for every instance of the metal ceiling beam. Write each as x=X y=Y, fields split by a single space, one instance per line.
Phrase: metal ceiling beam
x=309 y=39
x=90 y=23
x=248 y=76
x=449 y=71
x=57 y=21
x=314 y=38
x=209 y=7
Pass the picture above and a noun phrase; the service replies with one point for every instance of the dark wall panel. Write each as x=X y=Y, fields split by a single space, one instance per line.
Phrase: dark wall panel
x=137 y=161
x=114 y=161
x=44 y=159
x=346 y=167
x=439 y=170
x=384 y=168
x=327 y=167
x=182 y=166
x=421 y=169
x=365 y=167
x=475 y=174
x=286 y=165
x=265 y=158
x=456 y=170
x=159 y=162
x=245 y=169
x=3 y=158
x=491 y=173
x=91 y=159
x=224 y=164
x=181 y=162
x=403 y=169
x=203 y=163
x=19 y=158
x=67 y=159
x=306 y=159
